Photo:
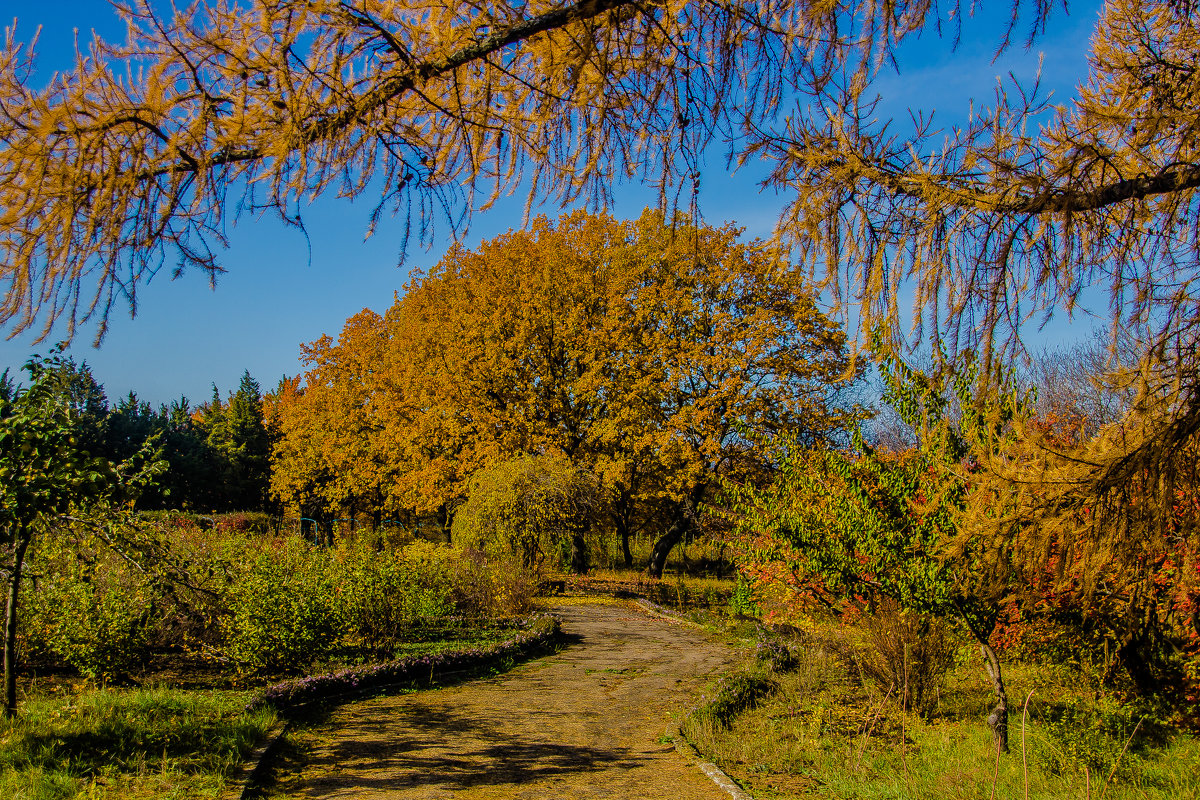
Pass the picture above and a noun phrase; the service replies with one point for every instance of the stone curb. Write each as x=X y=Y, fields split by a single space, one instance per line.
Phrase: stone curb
x=656 y=610
x=714 y=773
x=247 y=774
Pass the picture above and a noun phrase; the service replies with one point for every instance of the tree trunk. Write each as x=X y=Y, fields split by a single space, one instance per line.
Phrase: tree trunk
x=683 y=513
x=10 y=626
x=622 y=515
x=662 y=547
x=579 y=555
x=998 y=719
x=622 y=525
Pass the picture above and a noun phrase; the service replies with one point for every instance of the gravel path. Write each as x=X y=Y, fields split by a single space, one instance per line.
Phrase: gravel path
x=588 y=722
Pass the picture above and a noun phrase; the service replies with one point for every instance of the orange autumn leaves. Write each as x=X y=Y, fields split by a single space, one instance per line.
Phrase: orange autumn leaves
x=644 y=351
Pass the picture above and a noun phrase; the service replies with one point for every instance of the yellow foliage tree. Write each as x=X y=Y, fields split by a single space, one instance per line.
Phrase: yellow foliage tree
x=642 y=351
x=323 y=456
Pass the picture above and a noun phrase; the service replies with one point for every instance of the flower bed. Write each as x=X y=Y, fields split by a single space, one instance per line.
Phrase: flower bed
x=529 y=633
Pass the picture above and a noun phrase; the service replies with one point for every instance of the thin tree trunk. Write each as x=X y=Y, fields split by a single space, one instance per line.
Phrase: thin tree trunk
x=998 y=719
x=622 y=514
x=681 y=523
x=10 y=626
x=622 y=525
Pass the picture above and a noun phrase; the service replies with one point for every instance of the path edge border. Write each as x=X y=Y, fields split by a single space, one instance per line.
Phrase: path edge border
x=655 y=610
x=683 y=745
x=247 y=775
x=717 y=775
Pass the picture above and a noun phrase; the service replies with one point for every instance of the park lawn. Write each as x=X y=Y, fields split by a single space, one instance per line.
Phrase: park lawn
x=823 y=729
x=127 y=743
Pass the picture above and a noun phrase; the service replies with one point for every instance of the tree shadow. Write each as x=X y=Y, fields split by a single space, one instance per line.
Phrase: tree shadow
x=451 y=752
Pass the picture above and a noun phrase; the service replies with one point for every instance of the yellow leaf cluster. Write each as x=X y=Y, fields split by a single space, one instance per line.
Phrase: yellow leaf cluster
x=643 y=351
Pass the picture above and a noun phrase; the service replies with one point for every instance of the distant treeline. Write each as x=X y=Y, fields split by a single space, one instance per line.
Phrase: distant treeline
x=218 y=453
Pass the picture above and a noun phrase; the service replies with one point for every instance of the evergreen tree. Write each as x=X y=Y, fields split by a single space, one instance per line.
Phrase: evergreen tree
x=239 y=447
x=249 y=447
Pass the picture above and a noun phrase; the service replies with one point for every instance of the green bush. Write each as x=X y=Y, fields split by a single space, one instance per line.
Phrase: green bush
x=267 y=605
x=248 y=522
x=281 y=608
x=94 y=613
x=380 y=593
x=733 y=694
x=741 y=601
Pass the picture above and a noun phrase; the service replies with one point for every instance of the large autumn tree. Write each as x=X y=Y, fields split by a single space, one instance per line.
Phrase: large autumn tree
x=645 y=352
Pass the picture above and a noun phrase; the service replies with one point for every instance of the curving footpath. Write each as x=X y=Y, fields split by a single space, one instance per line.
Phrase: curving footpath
x=589 y=722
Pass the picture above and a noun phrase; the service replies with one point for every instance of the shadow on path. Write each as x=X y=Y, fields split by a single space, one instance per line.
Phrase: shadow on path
x=587 y=723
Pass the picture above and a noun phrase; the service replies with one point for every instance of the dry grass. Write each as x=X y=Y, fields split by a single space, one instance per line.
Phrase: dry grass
x=830 y=730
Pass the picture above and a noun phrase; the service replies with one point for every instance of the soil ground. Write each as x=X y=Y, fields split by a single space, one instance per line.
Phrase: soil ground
x=588 y=722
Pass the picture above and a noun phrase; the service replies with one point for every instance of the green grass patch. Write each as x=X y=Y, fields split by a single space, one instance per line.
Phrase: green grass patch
x=145 y=743
x=825 y=729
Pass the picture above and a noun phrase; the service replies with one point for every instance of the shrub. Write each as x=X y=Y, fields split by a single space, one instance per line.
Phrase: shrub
x=527 y=635
x=381 y=593
x=776 y=652
x=281 y=609
x=500 y=586
x=94 y=613
x=99 y=630
x=245 y=522
x=733 y=694
x=741 y=601
x=908 y=654
x=267 y=605
x=528 y=506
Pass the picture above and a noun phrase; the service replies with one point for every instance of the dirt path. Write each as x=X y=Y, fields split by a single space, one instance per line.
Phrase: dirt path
x=586 y=723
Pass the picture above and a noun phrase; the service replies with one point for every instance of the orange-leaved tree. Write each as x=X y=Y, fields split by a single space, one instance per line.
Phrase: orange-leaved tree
x=322 y=457
x=643 y=351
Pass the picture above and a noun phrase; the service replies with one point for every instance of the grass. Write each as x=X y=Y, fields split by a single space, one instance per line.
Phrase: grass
x=144 y=743
x=171 y=743
x=827 y=731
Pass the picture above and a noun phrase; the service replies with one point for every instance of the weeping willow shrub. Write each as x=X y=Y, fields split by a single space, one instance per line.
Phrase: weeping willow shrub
x=529 y=507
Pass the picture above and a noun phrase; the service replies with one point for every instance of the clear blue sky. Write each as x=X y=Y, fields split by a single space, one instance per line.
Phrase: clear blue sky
x=277 y=293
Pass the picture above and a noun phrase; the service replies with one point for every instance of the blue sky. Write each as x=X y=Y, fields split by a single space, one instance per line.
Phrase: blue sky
x=282 y=289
